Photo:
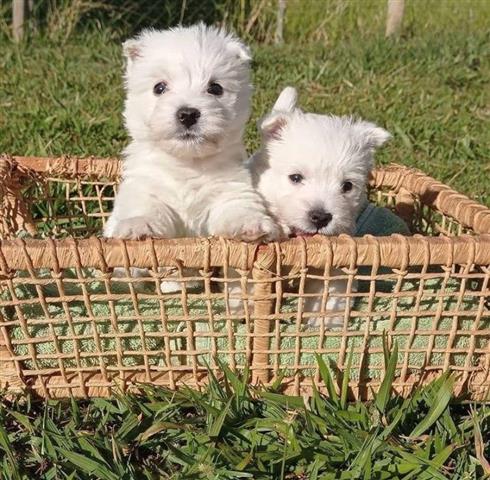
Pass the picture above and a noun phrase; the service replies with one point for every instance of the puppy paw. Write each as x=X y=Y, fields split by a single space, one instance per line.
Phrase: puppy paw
x=252 y=229
x=265 y=230
x=172 y=284
x=175 y=287
x=133 y=228
x=170 y=287
x=120 y=272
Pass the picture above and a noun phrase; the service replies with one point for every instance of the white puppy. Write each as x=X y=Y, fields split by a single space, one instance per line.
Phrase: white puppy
x=312 y=171
x=188 y=95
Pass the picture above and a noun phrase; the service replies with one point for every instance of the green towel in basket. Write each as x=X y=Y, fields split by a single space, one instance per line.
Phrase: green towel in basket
x=379 y=221
x=95 y=323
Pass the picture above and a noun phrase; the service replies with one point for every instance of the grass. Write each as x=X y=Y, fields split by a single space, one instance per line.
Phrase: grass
x=431 y=88
x=232 y=431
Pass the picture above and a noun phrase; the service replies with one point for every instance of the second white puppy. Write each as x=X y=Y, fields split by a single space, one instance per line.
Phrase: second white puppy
x=312 y=171
x=188 y=95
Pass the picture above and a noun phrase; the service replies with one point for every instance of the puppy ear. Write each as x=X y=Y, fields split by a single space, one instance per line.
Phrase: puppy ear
x=372 y=135
x=240 y=50
x=132 y=49
x=272 y=124
x=286 y=101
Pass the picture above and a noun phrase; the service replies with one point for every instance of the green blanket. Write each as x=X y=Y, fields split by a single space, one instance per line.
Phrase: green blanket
x=379 y=221
x=91 y=324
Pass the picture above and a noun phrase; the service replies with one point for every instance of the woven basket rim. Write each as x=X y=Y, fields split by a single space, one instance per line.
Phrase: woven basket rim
x=395 y=251
x=430 y=191
x=344 y=251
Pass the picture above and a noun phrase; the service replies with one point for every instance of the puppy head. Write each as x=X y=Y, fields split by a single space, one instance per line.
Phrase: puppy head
x=315 y=167
x=188 y=89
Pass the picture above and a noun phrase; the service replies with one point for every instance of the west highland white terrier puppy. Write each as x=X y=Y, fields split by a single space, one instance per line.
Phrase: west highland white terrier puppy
x=312 y=170
x=188 y=96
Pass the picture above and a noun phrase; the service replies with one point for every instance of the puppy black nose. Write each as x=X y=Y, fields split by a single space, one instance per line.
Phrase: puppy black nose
x=188 y=116
x=320 y=218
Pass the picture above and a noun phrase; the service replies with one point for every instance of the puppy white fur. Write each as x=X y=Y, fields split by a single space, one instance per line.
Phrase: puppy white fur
x=188 y=95
x=312 y=170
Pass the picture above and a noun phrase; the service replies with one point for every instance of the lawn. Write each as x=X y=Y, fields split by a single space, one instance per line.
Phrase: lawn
x=61 y=92
x=430 y=89
x=232 y=431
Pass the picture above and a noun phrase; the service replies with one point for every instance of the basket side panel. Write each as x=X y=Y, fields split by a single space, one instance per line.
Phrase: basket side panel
x=438 y=205
x=435 y=306
x=76 y=323
x=67 y=196
x=77 y=319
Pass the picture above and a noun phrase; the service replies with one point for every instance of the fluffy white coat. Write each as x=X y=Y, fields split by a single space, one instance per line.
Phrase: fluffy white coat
x=312 y=163
x=183 y=180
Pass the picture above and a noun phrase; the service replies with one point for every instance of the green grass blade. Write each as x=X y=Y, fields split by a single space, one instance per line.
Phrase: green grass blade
x=383 y=395
x=7 y=448
x=438 y=406
x=345 y=380
x=217 y=425
x=287 y=401
x=480 y=446
x=327 y=378
x=88 y=465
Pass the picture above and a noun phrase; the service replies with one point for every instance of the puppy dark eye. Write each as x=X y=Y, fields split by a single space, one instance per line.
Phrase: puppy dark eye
x=296 y=178
x=346 y=187
x=159 y=88
x=215 y=89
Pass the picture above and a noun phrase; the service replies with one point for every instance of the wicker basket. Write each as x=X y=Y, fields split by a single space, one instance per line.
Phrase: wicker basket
x=70 y=327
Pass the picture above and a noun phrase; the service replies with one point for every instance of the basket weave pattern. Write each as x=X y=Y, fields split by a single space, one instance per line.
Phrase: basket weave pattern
x=70 y=326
